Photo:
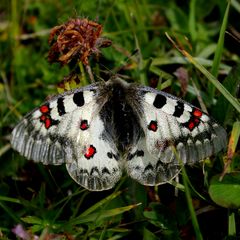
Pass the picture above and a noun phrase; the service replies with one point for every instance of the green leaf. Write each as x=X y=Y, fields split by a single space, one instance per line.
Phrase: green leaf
x=101 y=215
x=160 y=216
x=234 y=138
x=231 y=224
x=148 y=235
x=100 y=204
x=226 y=193
x=36 y=228
x=32 y=220
x=219 y=50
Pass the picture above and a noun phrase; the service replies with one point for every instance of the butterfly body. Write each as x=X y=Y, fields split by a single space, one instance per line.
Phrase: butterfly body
x=105 y=128
x=118 y=115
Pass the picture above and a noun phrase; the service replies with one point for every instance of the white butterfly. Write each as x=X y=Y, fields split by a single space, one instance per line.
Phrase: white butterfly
x=107 y=127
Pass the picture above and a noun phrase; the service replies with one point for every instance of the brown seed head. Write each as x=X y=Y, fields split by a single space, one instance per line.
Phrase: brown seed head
x=77 y=39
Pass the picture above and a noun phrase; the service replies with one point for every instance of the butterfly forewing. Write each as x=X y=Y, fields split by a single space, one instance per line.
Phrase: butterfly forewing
x=42 y=133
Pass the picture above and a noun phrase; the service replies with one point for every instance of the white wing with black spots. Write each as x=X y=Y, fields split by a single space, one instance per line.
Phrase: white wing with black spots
x=68 y=129
x=170 y=122
x=42 y=133
x=96 y=165
x=149 y=170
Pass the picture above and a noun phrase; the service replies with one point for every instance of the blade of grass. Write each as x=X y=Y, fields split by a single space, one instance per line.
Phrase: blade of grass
x=192 y=21
x=209 y=76
x=231 y=224
x=236 y=5
x=8 y=199
x=100 y=216
x=100 y=204
x=219 y=51
x=131 y=21
x=189 y=199
x=4 y=149
x=190 y=206
x=180 y=60
x=232 y=145
x=10 y=212
x=233 y=141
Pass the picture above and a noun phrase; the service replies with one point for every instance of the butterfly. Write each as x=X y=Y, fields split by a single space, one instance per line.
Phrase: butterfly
x=109 y=127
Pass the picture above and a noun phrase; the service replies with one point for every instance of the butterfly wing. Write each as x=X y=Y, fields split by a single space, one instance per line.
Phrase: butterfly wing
x=68 y=129
x=147 y=169
x=170 y=123
x=96 y=166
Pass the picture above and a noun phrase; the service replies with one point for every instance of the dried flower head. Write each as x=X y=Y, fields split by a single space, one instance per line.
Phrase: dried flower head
x=77 y=40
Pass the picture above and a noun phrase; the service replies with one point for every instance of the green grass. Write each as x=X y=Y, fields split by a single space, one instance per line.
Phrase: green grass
x=45 y=200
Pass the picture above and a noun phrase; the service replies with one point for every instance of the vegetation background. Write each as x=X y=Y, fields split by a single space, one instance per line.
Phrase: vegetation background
x=43 y=202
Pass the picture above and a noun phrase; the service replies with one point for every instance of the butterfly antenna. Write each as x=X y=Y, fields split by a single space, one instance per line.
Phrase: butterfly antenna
x=107 y=71
x=126 y=61
x=115 y=72
x=100 y=78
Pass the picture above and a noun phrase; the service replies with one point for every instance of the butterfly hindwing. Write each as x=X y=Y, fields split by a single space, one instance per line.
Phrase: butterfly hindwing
x=96 y=166
x=68 y=129
x=147 y=169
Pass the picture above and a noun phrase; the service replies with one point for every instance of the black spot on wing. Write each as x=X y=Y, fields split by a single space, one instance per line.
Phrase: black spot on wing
x=112 y=155
x=179 y=108
x=130 y=156
x=138 y=153
x=83 y=171
x=105 y=171
x=116 y=156
x=54 y=122
x=60 y=106
x=78 y=99
x=94 y=170
x=159 y=101
x=149 y=167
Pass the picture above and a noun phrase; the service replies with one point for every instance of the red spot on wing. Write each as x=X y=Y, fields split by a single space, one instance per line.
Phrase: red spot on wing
x=196 y=120
x=48 y=123
x=153 y=126
x=191 y=125
x=43 y=118
x=197 y=113
x=90 y=152
x=84 y=125
x=46 y=117
x=44 y=109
